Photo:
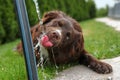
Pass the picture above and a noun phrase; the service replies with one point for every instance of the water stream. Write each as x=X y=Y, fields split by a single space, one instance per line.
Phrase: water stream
x=55 y=63
x=41 y=61
x=38 y=11
x=38 y=44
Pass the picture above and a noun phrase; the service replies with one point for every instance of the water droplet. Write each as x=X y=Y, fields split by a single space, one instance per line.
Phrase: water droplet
x=56 y=72
x=109 y=78
x=63 y=67
x=67 y=38
x=41 y=22
x=57 y=67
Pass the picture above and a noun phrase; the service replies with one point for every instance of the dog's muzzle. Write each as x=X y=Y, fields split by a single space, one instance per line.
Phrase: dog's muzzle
x=51 y=39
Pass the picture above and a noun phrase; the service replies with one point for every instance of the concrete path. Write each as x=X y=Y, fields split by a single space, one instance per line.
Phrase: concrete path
x=81 y=72
x=111 y=22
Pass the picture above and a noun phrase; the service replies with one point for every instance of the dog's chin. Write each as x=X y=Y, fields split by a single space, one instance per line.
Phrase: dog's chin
x=50 y=47
x=54 y=44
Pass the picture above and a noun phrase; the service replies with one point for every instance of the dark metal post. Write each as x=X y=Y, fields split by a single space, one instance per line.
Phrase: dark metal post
x=27 y=40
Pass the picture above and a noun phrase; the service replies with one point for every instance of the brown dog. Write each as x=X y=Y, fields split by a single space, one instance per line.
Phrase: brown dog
x=61 y=36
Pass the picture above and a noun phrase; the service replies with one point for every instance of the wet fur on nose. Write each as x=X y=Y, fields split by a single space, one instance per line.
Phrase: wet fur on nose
x=56 y=34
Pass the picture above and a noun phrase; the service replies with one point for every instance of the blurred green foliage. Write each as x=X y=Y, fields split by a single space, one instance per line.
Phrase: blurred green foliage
x=102 y=12
x=9 y=31
x=8 y=23
x=78 y=9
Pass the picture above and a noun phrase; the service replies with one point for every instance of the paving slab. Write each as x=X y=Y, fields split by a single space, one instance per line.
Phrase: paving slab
x=80 y=72
x=111 y=22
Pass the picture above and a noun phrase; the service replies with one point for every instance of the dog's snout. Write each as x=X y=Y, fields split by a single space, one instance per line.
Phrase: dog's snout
x=55 y=35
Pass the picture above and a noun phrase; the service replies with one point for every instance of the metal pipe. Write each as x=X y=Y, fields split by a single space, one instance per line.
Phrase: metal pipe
x=27 y=40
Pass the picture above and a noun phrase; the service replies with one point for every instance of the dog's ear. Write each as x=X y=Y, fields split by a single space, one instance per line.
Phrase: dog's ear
x=49 y=16
x=35 y=31
x=79 y=42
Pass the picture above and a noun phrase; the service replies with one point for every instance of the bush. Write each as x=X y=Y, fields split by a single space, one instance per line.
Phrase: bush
x=2 y=33
x=32 y=14
x=102 y=12
x=78 y=9
x=8 y=21
x=91 y=8
x=9 y=31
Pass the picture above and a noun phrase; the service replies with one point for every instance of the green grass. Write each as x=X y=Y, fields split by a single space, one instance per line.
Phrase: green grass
x=100 y=40
x=11 y=63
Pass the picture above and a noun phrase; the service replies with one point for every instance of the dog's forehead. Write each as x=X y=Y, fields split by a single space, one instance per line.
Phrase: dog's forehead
x=64 y=20
x=58 y=20
x=62 y=23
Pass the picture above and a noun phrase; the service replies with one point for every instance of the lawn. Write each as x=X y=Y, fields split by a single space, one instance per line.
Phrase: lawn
x=100 y=40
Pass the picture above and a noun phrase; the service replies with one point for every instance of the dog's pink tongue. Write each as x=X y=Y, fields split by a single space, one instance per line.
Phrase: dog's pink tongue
x=45 y=41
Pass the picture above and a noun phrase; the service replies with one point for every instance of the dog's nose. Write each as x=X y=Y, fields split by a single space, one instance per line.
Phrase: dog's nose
x=55 y=35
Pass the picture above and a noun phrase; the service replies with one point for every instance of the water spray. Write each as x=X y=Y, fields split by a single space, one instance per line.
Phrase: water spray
x=38 y=11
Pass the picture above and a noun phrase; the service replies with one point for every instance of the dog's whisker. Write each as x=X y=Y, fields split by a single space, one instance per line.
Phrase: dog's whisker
x=55 y=62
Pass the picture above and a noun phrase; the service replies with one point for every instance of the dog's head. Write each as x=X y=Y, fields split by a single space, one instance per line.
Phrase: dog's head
x=59 y=31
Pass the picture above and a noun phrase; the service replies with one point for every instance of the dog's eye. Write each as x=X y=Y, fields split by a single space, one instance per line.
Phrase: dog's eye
x=45 y=15
x=67 y=35
x=36 y=29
